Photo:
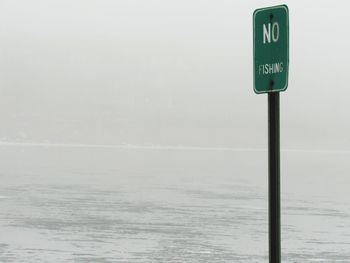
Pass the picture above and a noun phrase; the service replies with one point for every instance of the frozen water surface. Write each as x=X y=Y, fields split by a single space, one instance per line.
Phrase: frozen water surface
x=65 y=204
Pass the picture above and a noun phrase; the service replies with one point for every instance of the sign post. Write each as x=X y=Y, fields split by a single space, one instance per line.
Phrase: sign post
x=271 y=65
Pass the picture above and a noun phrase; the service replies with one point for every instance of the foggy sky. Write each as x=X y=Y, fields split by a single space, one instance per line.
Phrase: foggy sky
x=167 y=73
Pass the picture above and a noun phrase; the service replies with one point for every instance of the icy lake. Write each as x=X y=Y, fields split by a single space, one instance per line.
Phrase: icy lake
x=130 y=204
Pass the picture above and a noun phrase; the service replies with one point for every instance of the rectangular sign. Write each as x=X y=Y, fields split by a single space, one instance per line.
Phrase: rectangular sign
x=271 y=49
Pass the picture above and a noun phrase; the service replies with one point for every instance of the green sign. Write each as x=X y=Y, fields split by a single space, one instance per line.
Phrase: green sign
x=271 y=49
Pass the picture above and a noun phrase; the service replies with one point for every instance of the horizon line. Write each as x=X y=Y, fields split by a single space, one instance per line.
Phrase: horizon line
x=163 y=147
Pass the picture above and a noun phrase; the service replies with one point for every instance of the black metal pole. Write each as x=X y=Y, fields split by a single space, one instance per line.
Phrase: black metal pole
x=274 y=178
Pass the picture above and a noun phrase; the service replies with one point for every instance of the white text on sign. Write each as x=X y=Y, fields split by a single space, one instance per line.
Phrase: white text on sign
x=268 y=32
x=271 y=68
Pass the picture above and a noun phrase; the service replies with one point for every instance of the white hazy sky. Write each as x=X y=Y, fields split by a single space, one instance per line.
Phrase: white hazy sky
x=168 y=72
